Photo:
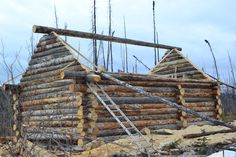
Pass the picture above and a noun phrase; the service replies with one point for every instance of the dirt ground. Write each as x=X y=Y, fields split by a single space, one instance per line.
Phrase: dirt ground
x=159 y=142
x=165 y=142
x=3 y=150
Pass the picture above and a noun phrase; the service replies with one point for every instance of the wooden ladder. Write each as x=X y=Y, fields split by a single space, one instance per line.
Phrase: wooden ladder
x=115 y=110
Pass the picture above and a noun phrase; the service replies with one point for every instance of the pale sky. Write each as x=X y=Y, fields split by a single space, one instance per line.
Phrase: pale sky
x=182 y=23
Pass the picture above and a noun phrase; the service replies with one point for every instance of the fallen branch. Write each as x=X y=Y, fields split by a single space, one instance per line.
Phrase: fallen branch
x=207 y=133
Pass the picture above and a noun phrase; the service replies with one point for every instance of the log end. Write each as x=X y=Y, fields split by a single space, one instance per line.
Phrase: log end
x=93 y=77
x=34 y=28
x=62 y=74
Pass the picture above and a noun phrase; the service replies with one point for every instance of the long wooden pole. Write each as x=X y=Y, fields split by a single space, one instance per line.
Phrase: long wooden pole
x=126 y=49
x=141 y=62
x=48 y=30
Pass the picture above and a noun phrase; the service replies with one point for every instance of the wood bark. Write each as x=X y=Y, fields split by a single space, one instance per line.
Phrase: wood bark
x=52 y=62
x=141 y=123
x=57 y=83
x=50 y=52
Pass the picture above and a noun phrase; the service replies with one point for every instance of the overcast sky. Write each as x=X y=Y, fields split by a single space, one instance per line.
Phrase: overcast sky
x=183 y=23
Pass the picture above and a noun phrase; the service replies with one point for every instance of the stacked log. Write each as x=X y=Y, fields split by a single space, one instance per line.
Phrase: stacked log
x=50 y=110
x=175 y=65
x=218 y=105
x=13 y=111
x=195 y=94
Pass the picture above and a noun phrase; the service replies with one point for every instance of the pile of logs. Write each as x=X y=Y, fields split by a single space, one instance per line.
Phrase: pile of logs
x=57 y=104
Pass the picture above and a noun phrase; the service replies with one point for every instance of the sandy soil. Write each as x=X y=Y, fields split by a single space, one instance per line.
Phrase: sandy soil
x=159 y=141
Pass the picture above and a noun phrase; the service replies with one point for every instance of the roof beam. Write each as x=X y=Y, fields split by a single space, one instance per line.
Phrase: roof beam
x=73 y=33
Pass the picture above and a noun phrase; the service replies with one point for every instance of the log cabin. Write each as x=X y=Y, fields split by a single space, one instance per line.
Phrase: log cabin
x=56 y=108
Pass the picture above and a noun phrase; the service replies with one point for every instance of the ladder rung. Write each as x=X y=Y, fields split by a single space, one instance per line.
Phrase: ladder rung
x=115 y=110
x=130 y=128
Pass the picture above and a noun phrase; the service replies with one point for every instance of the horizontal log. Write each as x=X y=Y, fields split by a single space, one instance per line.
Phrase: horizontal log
x=62 y=105
x=50 y=136
x=48 y=30
x=141 y=123
x=57 y=83
x=49 y=46
x=45 y=91
x=146 y=100
x=57 y=130
x=196 y=135
x=40 y=76
x=177 y=70
x=174 y=62
x=134 y=106
x=133 y=100
x=51 y=124
x=140 y=117
x=158 y=69
x=66 y=117
x=49 y=112
x=173 y=126
x=73 y=75
x=40 y=94
x=200 y=109
x=210 y=113
x=45 y=69
x=48 y=58
x=171 y=58
x=102 y=114
x=53 y=62
x=187 y=74
x=75 y=67
x=51 y=100
x=50 y=52
x=39 y=81
x=46 y=42
x=46 y=37
x=200 y=104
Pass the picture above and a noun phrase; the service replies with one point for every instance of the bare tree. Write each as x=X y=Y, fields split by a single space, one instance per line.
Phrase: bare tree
x=109 y=49
x=11 y=65
x=65 y=26
x=31 y=46
x=231 y=68
x=213 y=56
x=154 y=31
x=94 y=30
x=126 y=49
x=55 y=15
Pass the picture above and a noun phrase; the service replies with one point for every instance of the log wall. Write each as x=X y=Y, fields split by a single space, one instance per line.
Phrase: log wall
x=175 y=65
x=50 y=110
x=199 y=95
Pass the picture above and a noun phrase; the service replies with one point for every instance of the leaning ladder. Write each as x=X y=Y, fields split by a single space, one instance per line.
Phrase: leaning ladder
x=95 y=88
